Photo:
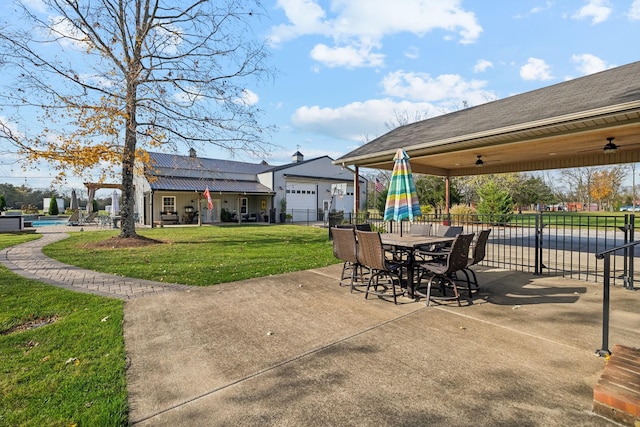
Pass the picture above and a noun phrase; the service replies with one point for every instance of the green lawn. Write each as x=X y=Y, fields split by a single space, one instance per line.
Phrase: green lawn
x=68 y=372
x=572 y=219
x=202 y=256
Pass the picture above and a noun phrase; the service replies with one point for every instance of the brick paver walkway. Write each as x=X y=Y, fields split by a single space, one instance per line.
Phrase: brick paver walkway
x=28 y=260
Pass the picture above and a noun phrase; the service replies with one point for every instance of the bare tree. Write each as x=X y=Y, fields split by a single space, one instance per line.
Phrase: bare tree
x=588 y=184
x=404 y=118
x=107 y=79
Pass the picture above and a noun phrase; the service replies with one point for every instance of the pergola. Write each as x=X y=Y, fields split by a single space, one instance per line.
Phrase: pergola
x=565 y=125
x=91 y=190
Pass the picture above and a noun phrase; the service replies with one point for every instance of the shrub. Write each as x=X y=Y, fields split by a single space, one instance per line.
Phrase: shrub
x=225 y=215
x=426 y=209
x=53 y=205
x=30 y=209
x=495 y=204
x=464 y=213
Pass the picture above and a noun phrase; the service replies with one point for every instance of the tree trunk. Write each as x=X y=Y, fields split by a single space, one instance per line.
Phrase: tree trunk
x=128 y=227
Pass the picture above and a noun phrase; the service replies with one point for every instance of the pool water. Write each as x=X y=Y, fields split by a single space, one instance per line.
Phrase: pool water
x=46 y=222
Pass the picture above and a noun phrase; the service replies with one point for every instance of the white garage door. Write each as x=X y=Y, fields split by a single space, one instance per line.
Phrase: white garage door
x=301 y=196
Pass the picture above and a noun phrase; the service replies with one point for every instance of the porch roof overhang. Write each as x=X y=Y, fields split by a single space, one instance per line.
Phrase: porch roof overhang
x=215 y=186
x=561 y=126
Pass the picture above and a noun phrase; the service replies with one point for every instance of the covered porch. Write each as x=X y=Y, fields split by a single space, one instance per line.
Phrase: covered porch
x=173 y=201
x=588 y=121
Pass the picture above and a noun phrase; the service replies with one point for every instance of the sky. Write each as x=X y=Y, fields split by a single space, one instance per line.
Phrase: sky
x=347 y=69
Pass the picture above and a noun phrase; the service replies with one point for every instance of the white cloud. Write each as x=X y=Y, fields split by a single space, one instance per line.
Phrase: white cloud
x=348 y=57
x=535 y=69
x=420 y=93
x=66 y=33
x=482 y=66
x=413 y=52
x=35 y=5
x=249 y=97
x=597 y=10
x=538 y=9
x=354 y=120
x=634 y=10
x=589 y=64
x=359 y=29
x=448 y=90
x=306 y=17
x=168 y=38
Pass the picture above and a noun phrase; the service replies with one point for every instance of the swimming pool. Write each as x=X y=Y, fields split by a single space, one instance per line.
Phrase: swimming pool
x=46 y=222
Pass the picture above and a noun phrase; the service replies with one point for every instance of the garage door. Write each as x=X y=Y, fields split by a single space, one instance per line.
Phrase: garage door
x=301 y=196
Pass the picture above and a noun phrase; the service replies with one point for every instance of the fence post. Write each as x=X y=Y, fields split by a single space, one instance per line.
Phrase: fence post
x=604 y=350
x=538 y=248
x=625 y=258
x=629 y=279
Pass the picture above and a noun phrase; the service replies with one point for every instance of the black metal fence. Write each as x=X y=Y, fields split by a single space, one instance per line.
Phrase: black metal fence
x=542 y=243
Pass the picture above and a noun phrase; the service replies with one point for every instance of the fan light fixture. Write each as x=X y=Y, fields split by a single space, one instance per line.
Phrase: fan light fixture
x=610 y=147
x=479 y=162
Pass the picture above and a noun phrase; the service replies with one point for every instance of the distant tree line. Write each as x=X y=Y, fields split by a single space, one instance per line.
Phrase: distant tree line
x=504 y=194
x=19 y=197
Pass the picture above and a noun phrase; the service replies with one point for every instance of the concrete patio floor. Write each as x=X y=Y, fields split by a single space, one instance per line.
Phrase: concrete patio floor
x=298 y=350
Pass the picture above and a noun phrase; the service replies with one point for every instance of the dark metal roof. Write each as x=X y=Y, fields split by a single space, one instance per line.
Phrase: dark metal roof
x=215 y=186
x=177 y=162
x=571 y=117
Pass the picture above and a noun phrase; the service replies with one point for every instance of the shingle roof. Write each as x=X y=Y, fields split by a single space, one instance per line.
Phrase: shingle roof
x=607 y=88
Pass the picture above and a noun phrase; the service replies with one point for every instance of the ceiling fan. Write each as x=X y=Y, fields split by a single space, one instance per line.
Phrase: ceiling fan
x=480 y=162
x=609 y=148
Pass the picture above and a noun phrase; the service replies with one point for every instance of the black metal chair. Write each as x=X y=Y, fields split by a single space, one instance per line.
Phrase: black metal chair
x=478 y=252
x=345 y=249
x=442 y=270
x=371 y=255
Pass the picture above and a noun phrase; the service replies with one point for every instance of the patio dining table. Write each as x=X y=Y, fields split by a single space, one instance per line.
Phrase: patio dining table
x=409 y=244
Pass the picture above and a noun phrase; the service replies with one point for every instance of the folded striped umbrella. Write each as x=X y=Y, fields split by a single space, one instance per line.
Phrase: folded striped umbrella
x=402 y=199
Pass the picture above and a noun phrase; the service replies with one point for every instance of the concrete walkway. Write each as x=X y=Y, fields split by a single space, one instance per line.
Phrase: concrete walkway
x=297 y=349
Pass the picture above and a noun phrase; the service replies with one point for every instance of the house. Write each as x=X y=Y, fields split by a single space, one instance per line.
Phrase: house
x=170 y=190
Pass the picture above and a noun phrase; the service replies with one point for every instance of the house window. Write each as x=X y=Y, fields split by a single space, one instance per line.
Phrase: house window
x=244 y=204
x=168 y=204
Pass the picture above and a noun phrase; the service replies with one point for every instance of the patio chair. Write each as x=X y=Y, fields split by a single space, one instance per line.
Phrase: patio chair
x=371 y=255
x=449 y=230
x=477 y=251
x=420 y=229
x=104 y=221
x=442 y=231
x=345 y=249
x=74 y=219
x=91 y=218
x=442 y=270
